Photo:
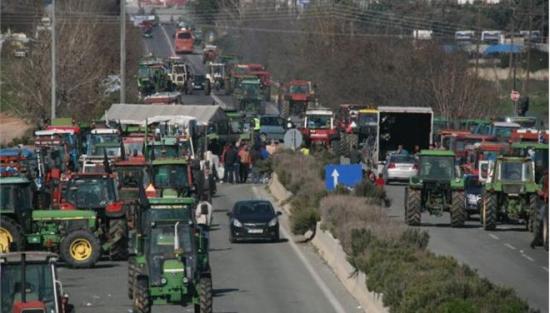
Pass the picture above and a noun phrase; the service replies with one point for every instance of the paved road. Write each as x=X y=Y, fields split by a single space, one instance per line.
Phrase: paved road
x=503 y=256
x=247 y=277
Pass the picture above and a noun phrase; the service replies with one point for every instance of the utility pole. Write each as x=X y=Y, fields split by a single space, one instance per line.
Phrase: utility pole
x=122 y=51
x=526 y=82
x=512 y=61
x=54 y=100
x=478 y=36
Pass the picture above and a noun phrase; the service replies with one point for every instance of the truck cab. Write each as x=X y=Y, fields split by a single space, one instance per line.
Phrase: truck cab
x=184 y=41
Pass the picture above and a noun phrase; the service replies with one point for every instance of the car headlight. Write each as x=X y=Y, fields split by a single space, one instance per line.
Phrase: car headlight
x=236 y=223
x=273 y=222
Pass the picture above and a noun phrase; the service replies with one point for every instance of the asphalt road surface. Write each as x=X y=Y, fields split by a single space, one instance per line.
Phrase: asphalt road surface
x=247 y=277
x=503 y=256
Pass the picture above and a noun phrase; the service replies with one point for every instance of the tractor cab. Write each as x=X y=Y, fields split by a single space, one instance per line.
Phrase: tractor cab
x=538 y=152
x=97 y=192
x=215 y=73
x=102 y=143
x=482 y=151
x=511 y=193
x=437 y=188
x=55 y=146
x=299 y=94
x=30 y=284
x=16 y=205
x=171 y=178
x=169 y=258
x=248 y=94
x=318 y=127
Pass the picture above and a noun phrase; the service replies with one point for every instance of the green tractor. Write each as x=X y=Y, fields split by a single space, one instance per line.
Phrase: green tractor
x=438 y=187
x=30 y=284
x=71 y=233
x=537 y=151
x=511 y=192
x=171 y=178
x=169 y=262
x=248 y=95
x=152 y=77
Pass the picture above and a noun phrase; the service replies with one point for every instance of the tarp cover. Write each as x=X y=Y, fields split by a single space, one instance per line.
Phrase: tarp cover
x=136 y=114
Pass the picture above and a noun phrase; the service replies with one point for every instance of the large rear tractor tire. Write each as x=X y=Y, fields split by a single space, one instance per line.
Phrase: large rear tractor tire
x=142 y=301
x=545 y=229
x=412 y=207
x=458 y=209
x=118 y=237
x=11 y=235
x=489 y=212
x=132 y=271
x=80 y=249
x=205 y=296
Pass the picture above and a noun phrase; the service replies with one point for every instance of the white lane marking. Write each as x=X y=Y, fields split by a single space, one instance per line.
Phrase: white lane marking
x=167 y=38
x=218 y=100
x=528 y=257
x=545 y=268
x=510 y=246
x=336 y=305
x=494 y=237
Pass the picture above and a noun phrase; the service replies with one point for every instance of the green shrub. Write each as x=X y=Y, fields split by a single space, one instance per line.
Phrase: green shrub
x=303 y=219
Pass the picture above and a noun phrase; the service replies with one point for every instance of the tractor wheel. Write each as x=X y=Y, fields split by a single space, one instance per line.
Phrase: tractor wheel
x=11 y=235
x=458 y=210
x=80 y=249
x=131 y=277
x=205 y=296
x=118 y=237
x=489 y=212
x=412 y=207
x=545 y=228
x=142 y=302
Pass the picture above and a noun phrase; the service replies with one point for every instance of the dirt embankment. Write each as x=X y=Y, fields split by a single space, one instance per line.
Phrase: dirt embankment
x=11 y=128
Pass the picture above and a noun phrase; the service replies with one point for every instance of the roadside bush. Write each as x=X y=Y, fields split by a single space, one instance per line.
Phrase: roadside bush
x=303 y=219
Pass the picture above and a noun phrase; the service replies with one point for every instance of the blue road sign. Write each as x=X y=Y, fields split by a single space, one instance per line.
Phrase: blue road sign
x=347 y=175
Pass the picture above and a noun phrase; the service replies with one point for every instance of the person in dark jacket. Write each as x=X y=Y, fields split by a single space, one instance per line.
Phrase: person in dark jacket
x=231 y=157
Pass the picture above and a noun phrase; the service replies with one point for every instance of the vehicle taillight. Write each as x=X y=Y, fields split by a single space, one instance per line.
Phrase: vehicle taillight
x=114 y=207
x=391 y=165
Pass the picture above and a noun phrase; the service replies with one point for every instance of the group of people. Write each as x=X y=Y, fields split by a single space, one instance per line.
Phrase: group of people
x=241 y=160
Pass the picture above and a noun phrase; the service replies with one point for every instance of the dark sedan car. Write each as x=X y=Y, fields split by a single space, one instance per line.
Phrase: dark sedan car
x=253 y=219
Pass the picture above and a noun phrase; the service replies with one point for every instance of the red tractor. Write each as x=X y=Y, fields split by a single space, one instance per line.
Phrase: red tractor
x=319 y=129
x=209 y=54
x=298 y=96
x=531 y=135
x=99 y=192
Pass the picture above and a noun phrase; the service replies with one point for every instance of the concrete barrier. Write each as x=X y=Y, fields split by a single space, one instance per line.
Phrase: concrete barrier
x=330 y=249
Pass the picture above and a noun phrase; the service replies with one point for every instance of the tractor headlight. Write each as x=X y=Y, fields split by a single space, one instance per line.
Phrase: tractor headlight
x=273 y=222
x=163 y=281
x=236 y=223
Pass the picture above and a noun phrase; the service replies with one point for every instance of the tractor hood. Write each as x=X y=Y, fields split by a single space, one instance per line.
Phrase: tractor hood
x=298 y=97
x=513 y=188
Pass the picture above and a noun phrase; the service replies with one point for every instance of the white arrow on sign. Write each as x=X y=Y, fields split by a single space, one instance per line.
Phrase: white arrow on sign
x=335 y=175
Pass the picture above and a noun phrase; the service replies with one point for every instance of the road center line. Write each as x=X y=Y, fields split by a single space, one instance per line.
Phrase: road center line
x=494 y=236
x=336 y=305
x=545 y=268
x=510 y=246
x=528 y=257
x=167 y=37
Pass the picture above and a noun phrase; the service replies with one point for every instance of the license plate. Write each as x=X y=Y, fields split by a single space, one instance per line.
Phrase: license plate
x=255 y=231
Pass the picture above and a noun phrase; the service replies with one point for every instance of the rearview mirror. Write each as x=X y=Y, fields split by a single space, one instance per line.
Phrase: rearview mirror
x=228 y=214
x=279 y=213
x=483 y=171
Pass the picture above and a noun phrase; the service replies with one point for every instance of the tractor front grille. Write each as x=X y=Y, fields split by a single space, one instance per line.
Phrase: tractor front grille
x=512 y=188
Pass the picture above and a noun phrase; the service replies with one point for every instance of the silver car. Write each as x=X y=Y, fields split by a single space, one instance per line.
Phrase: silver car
x=399 y=167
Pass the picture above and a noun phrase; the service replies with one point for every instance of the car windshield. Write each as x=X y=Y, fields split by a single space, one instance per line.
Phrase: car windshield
x=318 y=121
x=367 y=119
x=515 y=171
x=134 y=148
x=184 y=35
x=170 y=176
x=436 y=167
x=164 y=151
x=271 y=121
x=39 y=285
x=254 y=210
x=131 y=176
x=163 y=239
x=299 y=89
x=503 y=132
x=402 y=158
x=15 y=196
x=90 y=192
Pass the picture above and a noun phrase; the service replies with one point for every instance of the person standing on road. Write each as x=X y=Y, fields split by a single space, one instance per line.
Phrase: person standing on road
x=244 y=156
x=229 y=162
x=203 y=216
